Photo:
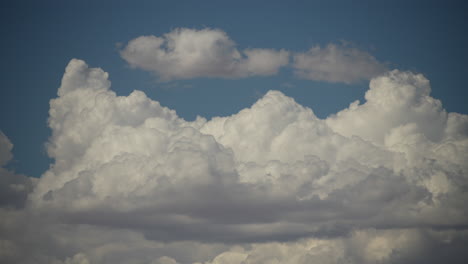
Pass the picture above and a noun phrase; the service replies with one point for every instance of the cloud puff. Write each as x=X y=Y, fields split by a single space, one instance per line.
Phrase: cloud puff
x=379 y=182
x=188 y=53
x=14 y=188
x=336 y=63
x=5 y=149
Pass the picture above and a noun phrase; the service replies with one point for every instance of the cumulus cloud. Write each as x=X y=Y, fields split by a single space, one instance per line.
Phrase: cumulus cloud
x=188 y=53
x=380 y=182
x=336 y=63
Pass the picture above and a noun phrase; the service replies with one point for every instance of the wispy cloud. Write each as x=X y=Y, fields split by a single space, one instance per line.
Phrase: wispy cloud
x=336 y=63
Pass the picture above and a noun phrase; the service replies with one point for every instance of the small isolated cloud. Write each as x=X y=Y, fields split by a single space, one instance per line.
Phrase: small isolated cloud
x=188 y=53
x=336 y=63
x=5 y=149
x=383 y=181
x=14 y=188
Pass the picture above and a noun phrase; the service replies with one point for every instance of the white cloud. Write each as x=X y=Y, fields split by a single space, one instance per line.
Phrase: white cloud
x=188 y=53
x=336 y=63
x=393 y=100
x=134 y=183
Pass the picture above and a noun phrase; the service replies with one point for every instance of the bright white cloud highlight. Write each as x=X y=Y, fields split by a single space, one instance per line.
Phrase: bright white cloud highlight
x=188 y=53
x=134 y=183
x=336 y=63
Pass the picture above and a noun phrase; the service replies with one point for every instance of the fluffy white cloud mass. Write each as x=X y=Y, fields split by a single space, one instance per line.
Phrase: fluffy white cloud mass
x=336 y=63
x=188 y=53
x=384 y=181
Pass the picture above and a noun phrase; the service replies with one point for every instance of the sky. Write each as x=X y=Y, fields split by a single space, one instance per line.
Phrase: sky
x=42 y=37
x=233 y=132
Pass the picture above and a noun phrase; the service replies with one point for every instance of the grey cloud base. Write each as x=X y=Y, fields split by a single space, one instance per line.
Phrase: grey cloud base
x=379 y=182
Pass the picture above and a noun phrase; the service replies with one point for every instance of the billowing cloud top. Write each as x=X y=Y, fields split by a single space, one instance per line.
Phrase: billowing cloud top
x=188 y=53
x=379 y=182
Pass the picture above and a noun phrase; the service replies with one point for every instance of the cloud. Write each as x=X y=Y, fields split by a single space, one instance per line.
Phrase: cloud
x=336 y=63
x=379 y=182
x=363 y=246
x=395 y=99
x=14 y=188
x=5 y=149
x=188 y=53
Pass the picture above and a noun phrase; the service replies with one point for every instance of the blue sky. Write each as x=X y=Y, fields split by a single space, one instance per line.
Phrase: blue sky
x=40 y=37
